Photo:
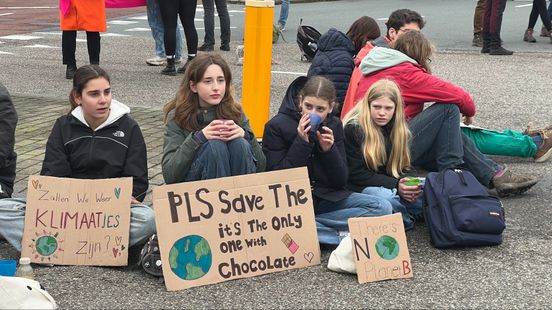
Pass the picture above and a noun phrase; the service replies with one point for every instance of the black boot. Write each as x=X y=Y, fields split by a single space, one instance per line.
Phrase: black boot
x=183 y=68
x=170 y=69
x=496 y=46
x=486 y=42
x=70 y=71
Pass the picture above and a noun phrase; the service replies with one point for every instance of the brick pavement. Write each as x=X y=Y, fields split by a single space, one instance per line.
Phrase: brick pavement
x=36 y=119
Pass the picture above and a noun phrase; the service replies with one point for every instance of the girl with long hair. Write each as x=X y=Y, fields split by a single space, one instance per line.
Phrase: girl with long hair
x=377 y=142
x=436 y=128
x=207 y=134
x=305 y=133
x=82 y=145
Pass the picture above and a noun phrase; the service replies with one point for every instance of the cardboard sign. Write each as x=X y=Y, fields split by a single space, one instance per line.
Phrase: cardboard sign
x=77 y=222
x=229 y=228
x=379 y=248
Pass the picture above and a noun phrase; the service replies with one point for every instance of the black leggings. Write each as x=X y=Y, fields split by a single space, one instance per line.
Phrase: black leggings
x=539 y=8
x=170 y=10
x=69 y=45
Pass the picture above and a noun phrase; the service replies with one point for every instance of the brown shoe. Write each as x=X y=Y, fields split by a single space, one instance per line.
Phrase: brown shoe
x=509 y=184
x=545 y=150
x=530 y=131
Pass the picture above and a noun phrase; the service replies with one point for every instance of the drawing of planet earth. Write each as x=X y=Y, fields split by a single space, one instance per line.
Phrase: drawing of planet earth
x=46 y=245
x=387 y=247
x=190 y=257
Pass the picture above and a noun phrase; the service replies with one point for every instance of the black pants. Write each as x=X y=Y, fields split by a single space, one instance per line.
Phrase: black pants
x=69 y=46
x=539 y=8
x=170 y=10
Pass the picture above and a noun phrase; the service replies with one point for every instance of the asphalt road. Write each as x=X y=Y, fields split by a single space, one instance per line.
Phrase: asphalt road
x=509 y=91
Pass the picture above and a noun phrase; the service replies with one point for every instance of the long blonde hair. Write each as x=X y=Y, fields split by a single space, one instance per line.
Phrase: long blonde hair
x=373 y=146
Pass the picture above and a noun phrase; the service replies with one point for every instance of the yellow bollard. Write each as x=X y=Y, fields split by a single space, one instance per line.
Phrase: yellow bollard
x=257 y=62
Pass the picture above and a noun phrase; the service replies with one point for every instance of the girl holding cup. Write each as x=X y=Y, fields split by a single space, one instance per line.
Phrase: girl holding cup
x=293 y=139
x=377 y=142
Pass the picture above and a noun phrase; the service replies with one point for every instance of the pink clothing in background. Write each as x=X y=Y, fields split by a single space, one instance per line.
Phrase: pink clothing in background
x=64 y=6
x=124 y=3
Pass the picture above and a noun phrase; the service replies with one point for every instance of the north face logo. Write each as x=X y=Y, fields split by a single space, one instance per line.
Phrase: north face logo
x=119 y=134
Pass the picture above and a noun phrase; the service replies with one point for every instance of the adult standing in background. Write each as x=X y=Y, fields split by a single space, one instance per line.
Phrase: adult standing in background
x=478 y=16
x=539 y=8
x=87 y=15
x=8 y=121
x=170 y=11
x=209 y=22
x=158 y=33
x=492 y=22
x=284 y=12
x=544 y=31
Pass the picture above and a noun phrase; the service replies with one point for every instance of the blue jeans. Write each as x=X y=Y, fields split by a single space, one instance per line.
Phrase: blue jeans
x=12 y=222
x=157 y=30
x=409 y=211
x=209 y=21
x=436 y=137
x=217 y=159
x=438 y=144
x=284 y=12
x=332 y=217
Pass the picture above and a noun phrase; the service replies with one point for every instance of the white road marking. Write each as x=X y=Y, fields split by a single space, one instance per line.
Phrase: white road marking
x=289 y=72
x=5 y=53
x=142 y=17
x=122 y=22
x=524 y=5
x=109 y=34
x=26 y=7
x=138 y=29
x=4 y=14
x=20 y=37
x=40 y=46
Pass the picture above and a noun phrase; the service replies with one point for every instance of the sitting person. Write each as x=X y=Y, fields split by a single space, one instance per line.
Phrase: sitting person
x=377 y=142
x=207 y=134
x=417 y=87
x=399 y=22
x=8 y=121
x=336 y=52
x=292 y=139
x=93 y=118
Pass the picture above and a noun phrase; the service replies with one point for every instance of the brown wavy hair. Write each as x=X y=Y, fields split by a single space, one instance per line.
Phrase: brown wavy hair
x=416 y=46
x=186 y=103
x=363 y=30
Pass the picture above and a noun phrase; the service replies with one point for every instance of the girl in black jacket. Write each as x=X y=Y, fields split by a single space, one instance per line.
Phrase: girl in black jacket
x=291 y=140
x=377 y=142
x=96 y=140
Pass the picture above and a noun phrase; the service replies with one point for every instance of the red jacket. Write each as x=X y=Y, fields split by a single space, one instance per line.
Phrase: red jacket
x=418 y=87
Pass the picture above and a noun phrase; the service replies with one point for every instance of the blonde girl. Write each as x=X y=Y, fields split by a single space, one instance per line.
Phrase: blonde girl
x=378 y=151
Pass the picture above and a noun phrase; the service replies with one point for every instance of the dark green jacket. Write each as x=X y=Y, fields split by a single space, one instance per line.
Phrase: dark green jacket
x=180 y=148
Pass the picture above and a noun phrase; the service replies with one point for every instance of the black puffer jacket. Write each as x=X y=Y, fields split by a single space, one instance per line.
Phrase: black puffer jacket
x=8 y=121
x=117 y=150
x=335 y=60
x=284 y=149
x=361 y=175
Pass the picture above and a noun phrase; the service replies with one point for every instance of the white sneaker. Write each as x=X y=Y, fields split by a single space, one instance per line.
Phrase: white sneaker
x=178 y=60
x=157 y=61
x=281 y=27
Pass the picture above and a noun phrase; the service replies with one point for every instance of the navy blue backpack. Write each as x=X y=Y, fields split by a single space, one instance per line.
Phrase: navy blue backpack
x=459 y=212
